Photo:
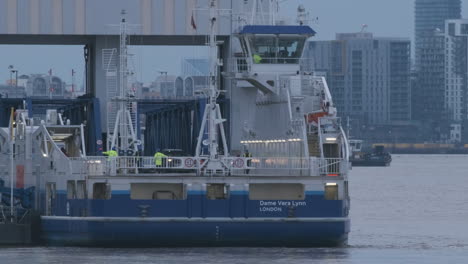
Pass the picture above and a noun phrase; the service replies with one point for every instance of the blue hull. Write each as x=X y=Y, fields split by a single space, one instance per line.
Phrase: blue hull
x=153 y=232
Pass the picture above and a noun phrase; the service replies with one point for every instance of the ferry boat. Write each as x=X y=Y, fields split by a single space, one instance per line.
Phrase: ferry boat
x=288 y=186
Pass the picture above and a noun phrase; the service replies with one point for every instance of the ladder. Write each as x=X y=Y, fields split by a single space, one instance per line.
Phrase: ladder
x=109 y=62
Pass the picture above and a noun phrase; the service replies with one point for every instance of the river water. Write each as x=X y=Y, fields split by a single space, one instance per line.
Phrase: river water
x=415 y=211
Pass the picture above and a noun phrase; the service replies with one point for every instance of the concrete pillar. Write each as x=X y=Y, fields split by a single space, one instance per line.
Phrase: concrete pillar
x=103 y=42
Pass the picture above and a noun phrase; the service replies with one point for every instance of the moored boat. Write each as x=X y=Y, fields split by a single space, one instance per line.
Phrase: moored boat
x=378 y=157
x=287 y=186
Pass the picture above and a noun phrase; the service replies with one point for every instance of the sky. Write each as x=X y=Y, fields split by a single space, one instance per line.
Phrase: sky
x=385 y=18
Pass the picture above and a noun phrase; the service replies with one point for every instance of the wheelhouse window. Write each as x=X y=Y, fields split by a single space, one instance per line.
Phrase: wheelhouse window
x=264 y=47
x=290 y=47
x=277 y=49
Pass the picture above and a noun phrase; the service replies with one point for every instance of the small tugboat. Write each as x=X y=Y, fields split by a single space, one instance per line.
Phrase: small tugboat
x=376 y=158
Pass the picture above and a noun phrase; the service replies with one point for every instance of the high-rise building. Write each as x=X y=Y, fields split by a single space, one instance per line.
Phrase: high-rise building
x=369 y=77
x=456 y=75
x=428 y=94
x=456 y=70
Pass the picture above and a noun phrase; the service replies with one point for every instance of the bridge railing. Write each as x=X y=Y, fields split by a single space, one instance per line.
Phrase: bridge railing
x=274 y=166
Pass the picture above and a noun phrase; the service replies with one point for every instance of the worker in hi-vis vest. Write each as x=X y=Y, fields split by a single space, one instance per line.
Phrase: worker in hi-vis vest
x=257 y=58
x=158 y=158
x=111 y=153
x=111 y=159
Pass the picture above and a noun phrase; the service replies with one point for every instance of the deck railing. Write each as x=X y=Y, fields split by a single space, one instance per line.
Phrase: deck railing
x=244 y=64
x=235 y=166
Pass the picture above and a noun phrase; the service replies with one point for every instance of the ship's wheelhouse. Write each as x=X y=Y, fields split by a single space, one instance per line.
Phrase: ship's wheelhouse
x=274 y=44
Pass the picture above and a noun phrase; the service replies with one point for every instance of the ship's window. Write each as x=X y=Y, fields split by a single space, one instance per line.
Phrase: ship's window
x=265 y=47
x=81 y=192
x=331 y=191
x=217 y=191
x=276 y=191
x=157 y=191
x=101 y=191
x=290 y=48
x=71 y=190
x=277 y=50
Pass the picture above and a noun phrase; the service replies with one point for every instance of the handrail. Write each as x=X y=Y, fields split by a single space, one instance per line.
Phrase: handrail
x=326 y=90
x=274 y=166
x=345 y=139
x=320 y=133
x=244 y=64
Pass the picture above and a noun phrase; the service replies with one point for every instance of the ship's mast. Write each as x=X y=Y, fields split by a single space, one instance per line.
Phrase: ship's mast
x=123 y=79
x=124 y=136
x=213 y=89
x=212 y=120
x=258 y=15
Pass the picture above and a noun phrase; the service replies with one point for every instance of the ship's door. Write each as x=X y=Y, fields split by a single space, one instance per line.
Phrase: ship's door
x=50 y=197
x=331 y=150
x=332 y=153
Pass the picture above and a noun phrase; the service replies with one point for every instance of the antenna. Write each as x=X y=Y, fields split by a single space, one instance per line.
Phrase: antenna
x=212 y=120
x=73 y=82
x=302 y=15
x=363 y=28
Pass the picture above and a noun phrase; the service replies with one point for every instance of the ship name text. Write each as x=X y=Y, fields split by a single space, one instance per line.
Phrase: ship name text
x=277 y=206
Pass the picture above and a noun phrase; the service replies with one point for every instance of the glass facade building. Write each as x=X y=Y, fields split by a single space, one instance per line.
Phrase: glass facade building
x=428 y=92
